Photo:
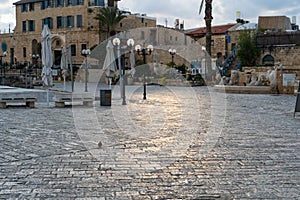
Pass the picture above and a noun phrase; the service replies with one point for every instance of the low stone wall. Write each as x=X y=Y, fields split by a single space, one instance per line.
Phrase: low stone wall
x=243 y=89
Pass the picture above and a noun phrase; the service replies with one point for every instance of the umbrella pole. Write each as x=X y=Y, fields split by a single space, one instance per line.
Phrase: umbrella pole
x=47 y=96
x=71 y=69
x=64 y=82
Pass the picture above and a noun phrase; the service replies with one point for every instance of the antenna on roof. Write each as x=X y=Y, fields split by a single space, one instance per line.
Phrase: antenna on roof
x=238 y=15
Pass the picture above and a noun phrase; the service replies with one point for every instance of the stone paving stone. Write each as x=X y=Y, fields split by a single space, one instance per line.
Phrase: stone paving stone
x=256 y=156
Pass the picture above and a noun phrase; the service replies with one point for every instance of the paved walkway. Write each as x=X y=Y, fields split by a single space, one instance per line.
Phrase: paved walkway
x=182 y=143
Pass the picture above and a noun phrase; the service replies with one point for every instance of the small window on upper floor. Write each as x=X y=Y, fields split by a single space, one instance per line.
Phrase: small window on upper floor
x=59 y=3
x=43 y=5
x=24 y=7
x=79 y=21
x=70 y=21
x=31 y=6
x=69 y=3
x=31 y=25
x=23 y=26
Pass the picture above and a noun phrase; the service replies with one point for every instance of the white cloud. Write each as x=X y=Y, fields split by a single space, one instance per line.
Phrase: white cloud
x=7 y=15
x=224 y=11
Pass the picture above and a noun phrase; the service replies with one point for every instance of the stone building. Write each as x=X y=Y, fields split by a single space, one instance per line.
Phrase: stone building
x=274 y=23
x=219 y=38
x=71 y=23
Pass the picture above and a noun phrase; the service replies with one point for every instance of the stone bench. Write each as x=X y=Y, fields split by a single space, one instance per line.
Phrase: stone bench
x=29 y=102
x=61 y=102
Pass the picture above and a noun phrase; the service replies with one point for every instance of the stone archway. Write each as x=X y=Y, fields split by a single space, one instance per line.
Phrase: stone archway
x=34 y=47
x=268 y=60
x=57 y=44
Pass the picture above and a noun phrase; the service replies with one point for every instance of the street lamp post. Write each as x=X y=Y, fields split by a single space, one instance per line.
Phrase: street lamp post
x=130 y=43
x=35 y=58
x=172 y=53
x=144 y=52
x=85 y=53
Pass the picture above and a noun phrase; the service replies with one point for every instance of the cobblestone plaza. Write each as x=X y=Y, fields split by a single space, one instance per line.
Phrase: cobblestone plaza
x=180 y=143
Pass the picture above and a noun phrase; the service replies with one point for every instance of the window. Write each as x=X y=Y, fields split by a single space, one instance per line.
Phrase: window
x=31 y=25
x=43 y=5
x=23 y=26
x=69 y=3
x=59 y=3
x=79 y=20
x=70 y=21
x=268 y=60
x=99 y=3
x=48 y=4
x=59 y=22
x=24 y=8
x=48 y=21
x=73 y=50
x=24 y=52
x=80 y=2
x=31 y=6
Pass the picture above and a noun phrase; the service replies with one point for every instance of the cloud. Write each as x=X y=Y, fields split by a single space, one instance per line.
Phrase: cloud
x=7 y=15
x=224 y=11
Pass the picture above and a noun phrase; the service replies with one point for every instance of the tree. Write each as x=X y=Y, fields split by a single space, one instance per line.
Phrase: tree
x=208 y=19
x=248 y=52
x=110 y=17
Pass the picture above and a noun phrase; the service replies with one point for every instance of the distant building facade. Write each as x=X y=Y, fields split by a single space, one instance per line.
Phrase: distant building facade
x=274 y=23
x=71 y=23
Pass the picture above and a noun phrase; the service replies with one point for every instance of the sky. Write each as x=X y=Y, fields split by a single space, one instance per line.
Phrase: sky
x=187 y=11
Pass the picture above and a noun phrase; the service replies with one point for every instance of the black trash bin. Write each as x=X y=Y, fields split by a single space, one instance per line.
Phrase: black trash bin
x=105 y=97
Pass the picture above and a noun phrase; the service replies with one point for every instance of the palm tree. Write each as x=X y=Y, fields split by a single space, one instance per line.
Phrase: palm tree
x=208 y=19
x=110 y=17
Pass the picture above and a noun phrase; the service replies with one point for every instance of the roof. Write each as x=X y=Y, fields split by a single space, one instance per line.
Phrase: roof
x=26 y=1
x=247 y=26
x=220 y=29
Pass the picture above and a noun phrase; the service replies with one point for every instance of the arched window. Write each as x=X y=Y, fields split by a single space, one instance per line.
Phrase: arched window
x=4 y=46
x=34 y=47
x=268 y=60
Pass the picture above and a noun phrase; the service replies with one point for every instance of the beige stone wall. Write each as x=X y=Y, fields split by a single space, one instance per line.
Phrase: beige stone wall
x=218 y=44
x=288 y=56
x=274 y=23
x=136 y=21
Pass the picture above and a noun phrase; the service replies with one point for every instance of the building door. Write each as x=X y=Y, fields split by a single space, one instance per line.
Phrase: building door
x=57 y=57
x=12 y=56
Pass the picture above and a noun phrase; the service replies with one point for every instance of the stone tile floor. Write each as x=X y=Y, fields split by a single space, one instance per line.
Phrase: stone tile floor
x=181 y=143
